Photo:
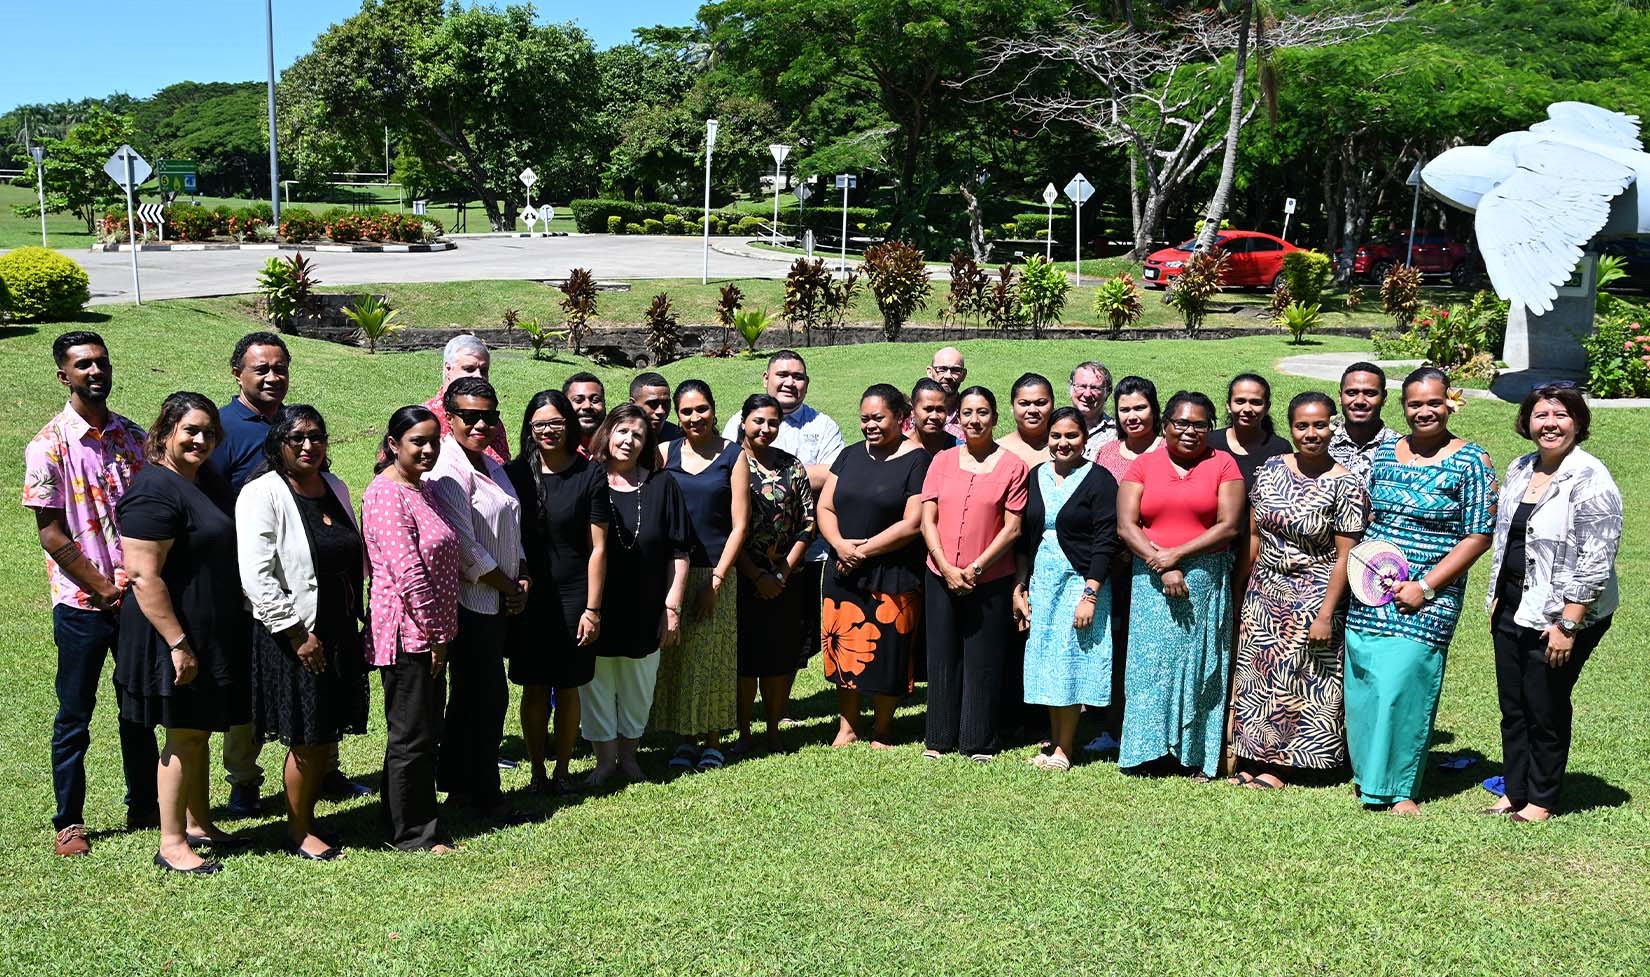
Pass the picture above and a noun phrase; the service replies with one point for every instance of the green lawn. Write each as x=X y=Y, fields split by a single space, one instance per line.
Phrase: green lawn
x=67 y=231
x=836 y=862
x=481 y=304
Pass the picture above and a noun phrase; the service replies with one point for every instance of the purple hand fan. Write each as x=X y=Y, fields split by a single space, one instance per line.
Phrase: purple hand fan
x=1376 y=569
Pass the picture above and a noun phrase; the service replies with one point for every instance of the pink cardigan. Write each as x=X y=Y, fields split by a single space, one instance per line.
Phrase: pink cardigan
x=414 y=555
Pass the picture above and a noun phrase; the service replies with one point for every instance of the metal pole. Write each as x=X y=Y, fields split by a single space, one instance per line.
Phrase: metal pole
x=1048 y=253
x=40 y=185
x=704 y=274
x=274 y=164
x=1077 y=233
x=1285 y=234
x=131 y=229
x=1414 y=214
x=844 y=259
x=776 y=175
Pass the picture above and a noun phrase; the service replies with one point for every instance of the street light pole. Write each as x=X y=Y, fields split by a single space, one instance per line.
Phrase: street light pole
x=274 y=165
x=39 y=154
x=710 y=147
x=780 y=151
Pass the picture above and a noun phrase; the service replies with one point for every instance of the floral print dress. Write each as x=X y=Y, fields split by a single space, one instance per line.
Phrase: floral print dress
x=781 y=513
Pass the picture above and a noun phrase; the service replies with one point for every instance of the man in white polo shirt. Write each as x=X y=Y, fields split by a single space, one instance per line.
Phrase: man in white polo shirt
x=816 y=441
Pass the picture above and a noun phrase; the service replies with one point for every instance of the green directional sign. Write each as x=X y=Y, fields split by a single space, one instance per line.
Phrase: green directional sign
x=176 y=176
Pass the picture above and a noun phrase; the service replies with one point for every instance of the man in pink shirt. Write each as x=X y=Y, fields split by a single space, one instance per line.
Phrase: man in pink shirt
x=75 y=472
x=467 y=356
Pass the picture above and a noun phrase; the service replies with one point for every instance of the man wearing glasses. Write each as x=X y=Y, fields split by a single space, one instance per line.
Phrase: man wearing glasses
x=1090 y=388
x=467 y=356
x=947 y=370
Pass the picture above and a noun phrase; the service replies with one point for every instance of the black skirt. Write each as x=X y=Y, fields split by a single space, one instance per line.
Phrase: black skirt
x=303 y=708
x=543 y=644
x=213 y=708
x=770 y=631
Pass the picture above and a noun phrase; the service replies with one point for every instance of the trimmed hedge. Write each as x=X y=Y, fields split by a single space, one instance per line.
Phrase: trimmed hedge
x=591 y=216
x=42 y=285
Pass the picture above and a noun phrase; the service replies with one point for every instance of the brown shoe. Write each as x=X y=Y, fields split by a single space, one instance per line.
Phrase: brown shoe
x=72 y=841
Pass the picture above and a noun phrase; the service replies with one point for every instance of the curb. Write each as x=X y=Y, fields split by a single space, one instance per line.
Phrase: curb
x=337 y=248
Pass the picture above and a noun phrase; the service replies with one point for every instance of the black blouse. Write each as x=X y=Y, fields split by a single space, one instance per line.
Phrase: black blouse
x=557 y=510
x=1250 y=463
x=870 y=497
x=648 y=528
x=1086 y=527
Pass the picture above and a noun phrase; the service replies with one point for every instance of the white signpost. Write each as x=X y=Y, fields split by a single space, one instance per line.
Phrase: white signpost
x=529 y=216
x=154 y=215
x=547 y=214
x=528 y=178
x=710 y=147
x=39 y=155
x=129 y=170
x=1288 y=212
x=779 y=151
x=1049 y=196
x=421 y=207
x=1414 y=180
x=1079 y=190
x=846 y=182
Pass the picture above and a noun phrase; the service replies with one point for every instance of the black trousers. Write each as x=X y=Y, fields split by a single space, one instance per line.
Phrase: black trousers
x=478 y=697
x=1535 y=710
x=968 y=642
x=412 y=711
x=84 y=640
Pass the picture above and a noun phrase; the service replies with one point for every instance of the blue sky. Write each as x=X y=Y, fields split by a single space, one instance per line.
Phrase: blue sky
x=59 y=50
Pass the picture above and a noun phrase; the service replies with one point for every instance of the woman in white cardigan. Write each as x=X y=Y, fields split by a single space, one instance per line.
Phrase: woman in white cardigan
x=302 y=564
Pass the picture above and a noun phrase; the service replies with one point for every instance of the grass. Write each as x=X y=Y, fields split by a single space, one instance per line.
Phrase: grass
x=482 y=303
x=836 y=862
x=68 y=231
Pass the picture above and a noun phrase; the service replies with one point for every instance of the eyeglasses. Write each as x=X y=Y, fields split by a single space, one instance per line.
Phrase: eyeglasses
x=298 y=440
x=1090 y=388
x=544 y=427
x=948 y=370
x=473 y=417
x=1180 y=425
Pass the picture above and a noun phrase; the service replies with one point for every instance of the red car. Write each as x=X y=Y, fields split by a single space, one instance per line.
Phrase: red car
x=1253 y=259
x=1436 y=253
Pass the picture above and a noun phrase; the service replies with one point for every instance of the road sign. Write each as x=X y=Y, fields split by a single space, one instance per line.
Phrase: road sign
x=119 y=170
x=1289 y=205
x=528 y=178
x=779 y=151
x=1414 y=179
x=152 y=213
x=421 y=207
x=38 y=152
x=176 y=175
x=1079 y=190
x=1050 y=195
x=529 y=216
x=845 y=181
x=802 y=192
x=547 y=214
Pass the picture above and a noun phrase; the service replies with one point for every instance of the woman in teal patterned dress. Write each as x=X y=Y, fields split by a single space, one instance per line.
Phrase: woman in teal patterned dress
x=1432 y=495
x=1306 y=512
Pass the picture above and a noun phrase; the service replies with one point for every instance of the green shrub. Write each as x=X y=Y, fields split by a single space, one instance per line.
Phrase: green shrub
x=634 y=229
x=578 y=305
x=1120 y=302
x=1491 y=314
x=751 y=324
x=43 y=286
x=899 y=283
x=1002 y=302
x=5 y=299
x=662 y=334
x=374 y=318
x=1043 y=289
x=615 y=224
x=966 y=299
x=189 y=222
x=1354 y=297
x=540 y=336
x=674 y=225
x=807 y=291
x=750 y=224
x=651 y=226
x=591 y=216
x=298 y=224
x=1198 y=283
x=1618 y=357
x=288 y=288
x=1301 y=319
x=1401 y=295
x=1307 y=273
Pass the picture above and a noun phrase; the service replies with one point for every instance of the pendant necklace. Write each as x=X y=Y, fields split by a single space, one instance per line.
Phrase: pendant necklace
x=636 y=536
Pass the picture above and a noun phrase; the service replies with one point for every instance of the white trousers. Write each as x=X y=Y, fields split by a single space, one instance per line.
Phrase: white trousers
x=617 y=701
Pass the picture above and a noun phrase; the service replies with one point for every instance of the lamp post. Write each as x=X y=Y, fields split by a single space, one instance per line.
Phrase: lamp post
x=39 y=155
x=779 y=152
x=274 y=165
x=710 y=147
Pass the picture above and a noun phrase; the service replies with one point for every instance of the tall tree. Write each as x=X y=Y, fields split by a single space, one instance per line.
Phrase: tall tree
x=480 y=92
x=75 y=181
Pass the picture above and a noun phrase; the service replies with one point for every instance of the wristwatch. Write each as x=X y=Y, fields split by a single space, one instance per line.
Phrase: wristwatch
x=975 y=568
x=1568 y=626
x=1427 y=593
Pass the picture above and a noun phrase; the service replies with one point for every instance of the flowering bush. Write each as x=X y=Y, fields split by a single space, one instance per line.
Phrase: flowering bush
x=298 y=224
x=1618 y=357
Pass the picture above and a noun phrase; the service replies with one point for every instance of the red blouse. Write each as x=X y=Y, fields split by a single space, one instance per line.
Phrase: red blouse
x=971 y=508
x=1174 y=510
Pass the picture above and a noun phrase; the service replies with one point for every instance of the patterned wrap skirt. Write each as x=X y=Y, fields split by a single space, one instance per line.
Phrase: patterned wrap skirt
x=1065 y=666
x=1286 y=706
x=1179 y=650
x=867 y=638
x=699 y=675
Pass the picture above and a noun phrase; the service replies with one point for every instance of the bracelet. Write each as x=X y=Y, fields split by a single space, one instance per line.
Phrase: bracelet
x=183 y=639
x=673 y=610
x=592 y=610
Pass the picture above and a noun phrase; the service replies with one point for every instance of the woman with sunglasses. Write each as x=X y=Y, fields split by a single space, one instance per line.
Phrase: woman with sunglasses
x=473 y=492
x=564 y=519
x=302 y=565
x=1433 y=496
x=1178 y=510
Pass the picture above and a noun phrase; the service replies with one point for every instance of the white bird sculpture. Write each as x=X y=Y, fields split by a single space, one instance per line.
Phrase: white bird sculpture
x=1540 y=196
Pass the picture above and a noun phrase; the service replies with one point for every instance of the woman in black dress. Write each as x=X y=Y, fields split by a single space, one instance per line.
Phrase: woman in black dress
x=1251 y=439
x=564 y=515
x=301 y=562
x=770 y=612
x=183 y=661
x=870 y=511
x=648 y=565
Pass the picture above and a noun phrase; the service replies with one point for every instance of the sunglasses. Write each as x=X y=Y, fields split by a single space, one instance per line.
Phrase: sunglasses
x=472 y=417
x=298 y=440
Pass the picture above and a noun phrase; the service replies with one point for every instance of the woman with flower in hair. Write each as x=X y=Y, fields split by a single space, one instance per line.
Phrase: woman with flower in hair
x=1433 y=495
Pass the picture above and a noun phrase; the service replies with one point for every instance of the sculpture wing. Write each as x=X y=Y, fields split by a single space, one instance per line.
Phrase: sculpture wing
x=1533 y=225
x=1589 y=122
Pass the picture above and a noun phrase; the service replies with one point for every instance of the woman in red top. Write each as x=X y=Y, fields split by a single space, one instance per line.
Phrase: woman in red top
x=972 y=498
x=1178 y=510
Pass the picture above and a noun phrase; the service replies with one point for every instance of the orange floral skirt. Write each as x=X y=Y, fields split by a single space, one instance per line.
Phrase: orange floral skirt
x=867 y=638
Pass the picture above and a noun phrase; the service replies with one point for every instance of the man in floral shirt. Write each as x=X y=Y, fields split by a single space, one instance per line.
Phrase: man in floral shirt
x=75 y=472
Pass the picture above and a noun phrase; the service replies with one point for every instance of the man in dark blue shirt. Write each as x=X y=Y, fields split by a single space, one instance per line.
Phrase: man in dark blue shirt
x=261 y=367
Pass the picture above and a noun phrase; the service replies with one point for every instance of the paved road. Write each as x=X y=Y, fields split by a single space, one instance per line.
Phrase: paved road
x=192 y=274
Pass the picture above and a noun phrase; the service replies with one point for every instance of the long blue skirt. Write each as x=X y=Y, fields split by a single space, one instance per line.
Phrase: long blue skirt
x=1175 y=676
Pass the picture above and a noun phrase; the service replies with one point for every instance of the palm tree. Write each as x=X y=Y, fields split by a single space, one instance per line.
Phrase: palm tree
x=1259 y=13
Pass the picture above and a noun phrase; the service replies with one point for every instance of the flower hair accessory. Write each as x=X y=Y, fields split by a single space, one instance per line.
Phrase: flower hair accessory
x=1457 y=400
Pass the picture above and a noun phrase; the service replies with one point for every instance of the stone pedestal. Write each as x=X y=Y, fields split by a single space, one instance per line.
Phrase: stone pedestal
x=1551 y=343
